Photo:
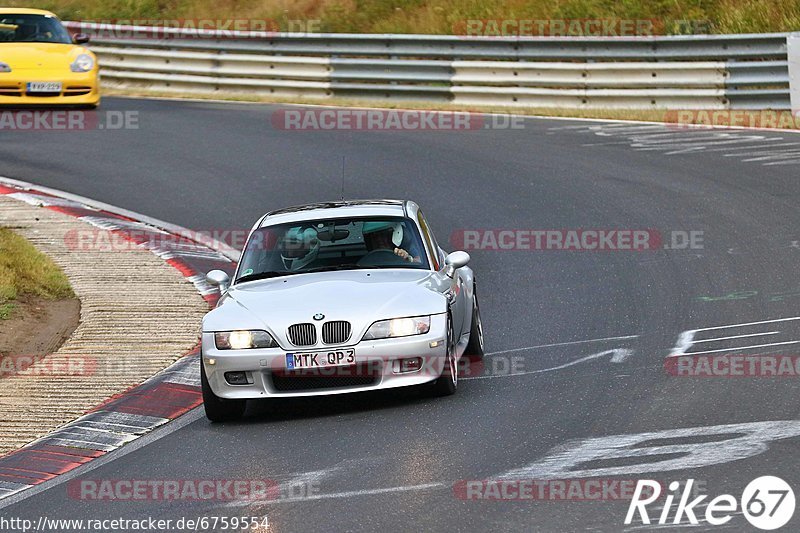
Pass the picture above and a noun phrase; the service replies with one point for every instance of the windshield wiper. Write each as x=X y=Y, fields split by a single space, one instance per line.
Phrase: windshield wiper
x=264 y=275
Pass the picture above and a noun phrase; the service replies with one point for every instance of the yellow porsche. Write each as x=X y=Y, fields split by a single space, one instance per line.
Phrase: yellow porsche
x=41 y=64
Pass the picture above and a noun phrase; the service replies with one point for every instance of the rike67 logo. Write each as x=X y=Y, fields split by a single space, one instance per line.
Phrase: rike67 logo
x=767 y=503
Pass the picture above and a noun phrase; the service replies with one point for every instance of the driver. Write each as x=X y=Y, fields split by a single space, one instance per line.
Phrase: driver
x=386 y=236
x=26 y=32
x=299 y=248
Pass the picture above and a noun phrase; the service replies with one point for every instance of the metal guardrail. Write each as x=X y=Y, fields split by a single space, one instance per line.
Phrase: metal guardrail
x=699 y=72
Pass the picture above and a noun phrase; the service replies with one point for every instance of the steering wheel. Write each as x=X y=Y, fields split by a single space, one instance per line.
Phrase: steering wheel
x=380 y=257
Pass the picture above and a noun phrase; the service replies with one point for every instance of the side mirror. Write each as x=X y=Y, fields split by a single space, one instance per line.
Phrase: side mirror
x=454 y=261
x=80 y=38
x=218 y=278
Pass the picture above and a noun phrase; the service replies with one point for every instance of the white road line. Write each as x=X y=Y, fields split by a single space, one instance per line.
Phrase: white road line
x=736 y=337
x=781 y=155
x=655 y=139
x=571 y=343
x=726 y=146
x=618 y=355
x=765 y=150
x=635 y=454
x=737 y=348
x=677 y=138
x=718 y=141
x=685 y=145
x=610 y=143
x=771 y=153
x=750 y=323
x=612 y=131
x=759 y=145
x=699 y=140
x=687 y=338
x=777 y=163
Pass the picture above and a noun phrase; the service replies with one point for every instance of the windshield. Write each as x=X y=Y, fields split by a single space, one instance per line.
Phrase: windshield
x=338 y=244
x=32 y=29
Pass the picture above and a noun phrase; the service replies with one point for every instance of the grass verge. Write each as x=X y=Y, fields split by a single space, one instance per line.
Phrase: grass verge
x=444 y=16
x=26 y=271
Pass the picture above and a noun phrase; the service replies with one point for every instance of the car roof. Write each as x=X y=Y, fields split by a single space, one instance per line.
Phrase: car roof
x=338 y=209
x=24 y=11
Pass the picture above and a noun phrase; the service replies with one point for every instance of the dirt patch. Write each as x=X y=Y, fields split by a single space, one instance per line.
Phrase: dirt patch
x=36 y=327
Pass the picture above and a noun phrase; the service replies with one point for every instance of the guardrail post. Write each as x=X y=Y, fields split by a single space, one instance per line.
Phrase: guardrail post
x=793 y=53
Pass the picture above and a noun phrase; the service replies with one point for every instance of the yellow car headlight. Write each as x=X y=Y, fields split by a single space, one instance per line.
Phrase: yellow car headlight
x=83 y=63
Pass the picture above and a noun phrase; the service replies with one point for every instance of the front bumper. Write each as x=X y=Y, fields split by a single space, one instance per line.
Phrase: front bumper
x=77 y=88
x=375 y=367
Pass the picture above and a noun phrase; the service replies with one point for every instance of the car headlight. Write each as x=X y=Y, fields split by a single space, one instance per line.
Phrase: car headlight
x=83 y=63
x=4 y=67
x=398 y=327
x=243 y=340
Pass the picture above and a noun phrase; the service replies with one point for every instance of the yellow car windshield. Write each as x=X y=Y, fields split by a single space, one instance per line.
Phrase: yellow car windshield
x=32 y=29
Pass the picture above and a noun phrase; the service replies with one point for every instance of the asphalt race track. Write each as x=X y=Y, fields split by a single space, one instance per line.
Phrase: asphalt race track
x=587 y=332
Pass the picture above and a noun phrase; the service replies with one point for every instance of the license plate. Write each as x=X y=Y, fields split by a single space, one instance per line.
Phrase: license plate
x=44 y=87
x=320 y=359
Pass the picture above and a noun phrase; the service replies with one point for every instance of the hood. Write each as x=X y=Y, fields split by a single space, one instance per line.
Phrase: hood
x=360 y=297
x=24 y=56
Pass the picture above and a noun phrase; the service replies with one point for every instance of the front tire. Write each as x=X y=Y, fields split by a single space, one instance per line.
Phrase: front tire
x=447 y=383
x=475 y=347
x=219 y=409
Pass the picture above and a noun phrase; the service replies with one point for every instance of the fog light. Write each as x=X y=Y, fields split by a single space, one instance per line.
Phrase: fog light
x=410 y=365
x=434 y=344
x=211 y=361
x=236 y=378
